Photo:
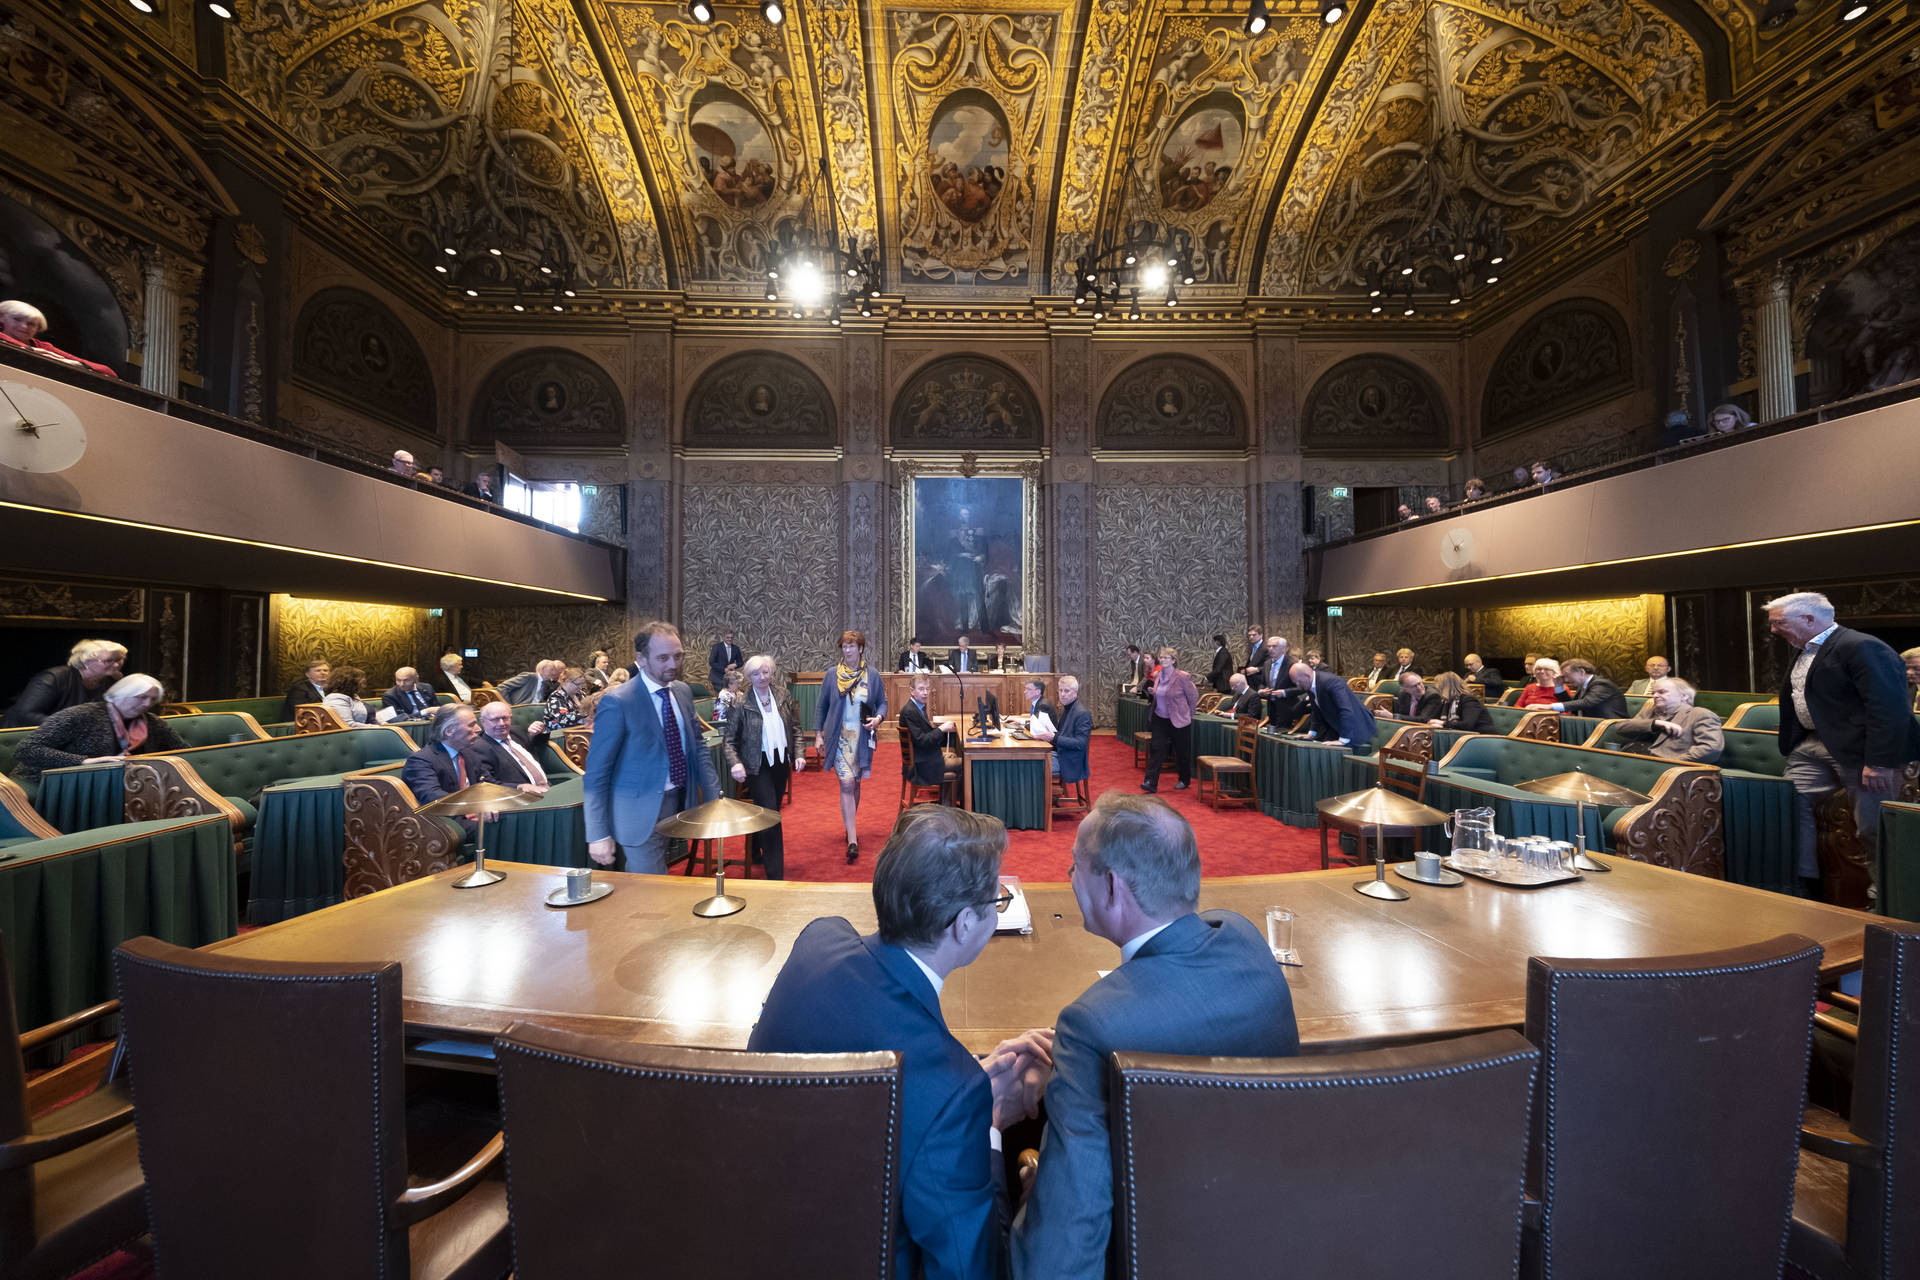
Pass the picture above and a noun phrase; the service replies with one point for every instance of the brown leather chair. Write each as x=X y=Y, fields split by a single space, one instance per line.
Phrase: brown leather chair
x=276 y=1129
x=913 y=791
x=1395 y=1162
x=1670 y=1098
x=605 y=1134
x=70 y=1190
x=1854 y=1214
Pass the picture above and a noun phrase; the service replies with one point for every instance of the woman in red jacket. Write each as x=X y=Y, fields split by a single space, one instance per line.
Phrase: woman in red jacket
x=1545 y=688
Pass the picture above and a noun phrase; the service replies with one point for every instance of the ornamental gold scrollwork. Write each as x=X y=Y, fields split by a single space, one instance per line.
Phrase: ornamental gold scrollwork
x=388 y=841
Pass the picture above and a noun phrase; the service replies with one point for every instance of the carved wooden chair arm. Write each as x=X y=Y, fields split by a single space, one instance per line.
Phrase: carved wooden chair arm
x=418 y=1203
x=14 y=799
x=1680 y=789
x=1538 y=726
x=317 y=717
x=33 y=1148
x=1826 y=1134
x=168 y=787
x=31 y=1040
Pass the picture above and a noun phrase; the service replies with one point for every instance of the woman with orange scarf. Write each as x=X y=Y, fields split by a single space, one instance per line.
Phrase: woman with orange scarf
x=853 y=702
x=117 y=726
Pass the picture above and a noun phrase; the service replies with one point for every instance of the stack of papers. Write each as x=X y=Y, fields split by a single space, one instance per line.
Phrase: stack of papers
x=1016 y=916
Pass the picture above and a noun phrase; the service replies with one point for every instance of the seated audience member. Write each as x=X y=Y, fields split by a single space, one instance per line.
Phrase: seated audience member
x=435 y=476
x=619 y=677
x=1313 y=660
x=1457 y=708
x=727 y=693
x=1072 y=731
x=402 y=465
x=562 y=709
x=506 y=754
x=1657 y=669
x=1542 y=473
x=1727 y=419
x=1527 y=666
x=481 y=487
x=1591 y=694
x=1187 y=983
x=931 y=759
x=451 y=665
x=533 y=686
x=912 y=659
x=91 y=666
x=1494 y=682
x=1676 y=728
x=1222 y=664
x=1476 y=489
x=21 y=325
x=1338 y=714
x=936 y=885
x=1404 y=513
x=411 y=697
x=1545 y=691
x=120 y=724
x=599 y=668
x=308 y=689
x=1415 y=701
x=343 y=695
x=1243 y=701
x=1912 y=658
x=1404 y=657
x=1379 y=671
x=447 y=763
x=1522 y=478
x=1434 y=507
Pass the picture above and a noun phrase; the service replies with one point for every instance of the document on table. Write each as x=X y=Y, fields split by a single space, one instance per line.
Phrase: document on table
x=1042 y=723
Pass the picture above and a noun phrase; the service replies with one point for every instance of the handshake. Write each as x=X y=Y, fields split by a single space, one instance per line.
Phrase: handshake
x=1018 y=1071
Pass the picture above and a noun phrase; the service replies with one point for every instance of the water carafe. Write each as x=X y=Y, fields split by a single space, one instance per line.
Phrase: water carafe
x=1471 y=832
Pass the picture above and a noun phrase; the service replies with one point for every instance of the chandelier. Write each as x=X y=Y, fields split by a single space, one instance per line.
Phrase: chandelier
x=1456 y=244
x=1124 y=274
x=815 y=274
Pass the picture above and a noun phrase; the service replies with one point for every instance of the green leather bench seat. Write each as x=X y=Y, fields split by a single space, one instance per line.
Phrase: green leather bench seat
x=212 y=728
x=1766 y=718
x=1723 y=702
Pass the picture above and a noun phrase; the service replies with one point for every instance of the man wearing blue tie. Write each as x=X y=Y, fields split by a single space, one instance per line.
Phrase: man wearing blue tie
x=963 y=657
x=410 y=698
x=648 y=761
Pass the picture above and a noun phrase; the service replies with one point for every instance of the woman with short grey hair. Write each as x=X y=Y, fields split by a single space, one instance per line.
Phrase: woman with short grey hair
x=121 y=724
x=761 y=739
x=90 y=667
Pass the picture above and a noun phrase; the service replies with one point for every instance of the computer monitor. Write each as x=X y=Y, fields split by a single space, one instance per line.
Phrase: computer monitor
x=1037 y=662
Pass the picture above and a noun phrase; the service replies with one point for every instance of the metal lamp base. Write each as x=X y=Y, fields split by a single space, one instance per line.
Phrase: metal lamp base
x=479 y=877
x=720 y=904
x=1585 y=863
x=1382 y=889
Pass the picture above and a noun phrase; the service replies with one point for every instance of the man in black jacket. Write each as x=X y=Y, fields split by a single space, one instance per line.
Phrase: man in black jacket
x=1222 y=664
x=411 y=697
x=1844 y=720
x=725 y=653
x=1414 y=701
x=1589 y=693
x=1496 y=684
x=912 y=659
x=930 y=763
x=90 y=668
x=309 y=688
x=446 y=764
x=506 y=753
x=1242 y=701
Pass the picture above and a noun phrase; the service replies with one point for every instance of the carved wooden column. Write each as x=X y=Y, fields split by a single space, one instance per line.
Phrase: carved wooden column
x=1069 y=507
x=160 y=355
x=651 y=525
x=1278 y=586
x=1773 y=342
x=865 y=514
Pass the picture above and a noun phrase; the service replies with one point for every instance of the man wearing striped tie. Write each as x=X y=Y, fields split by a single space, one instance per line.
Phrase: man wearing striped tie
x=648 y=760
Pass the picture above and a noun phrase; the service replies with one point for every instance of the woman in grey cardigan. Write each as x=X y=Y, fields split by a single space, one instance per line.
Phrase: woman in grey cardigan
x=761 y=738
x=117 y=726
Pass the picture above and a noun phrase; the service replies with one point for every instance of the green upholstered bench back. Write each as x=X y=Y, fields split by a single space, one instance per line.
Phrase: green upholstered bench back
x=1510 y=761
x=10 y=740
x=1762 y=717
x=212 y=728
x=1753 y=751
x=1505 y=719
x=526 y=715
x=1635 y=701
x=265 y=710
x=1723 y=702
x=245 y=768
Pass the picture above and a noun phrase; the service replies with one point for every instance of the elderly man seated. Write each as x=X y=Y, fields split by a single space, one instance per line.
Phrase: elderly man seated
x=1673 y=726
x=1242 y=701
x=411 y=697
x=21 y=325
x=403 y=464
x=1657 y=669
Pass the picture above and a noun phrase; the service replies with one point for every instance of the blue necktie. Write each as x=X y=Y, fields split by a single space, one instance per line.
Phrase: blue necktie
x=676 y=751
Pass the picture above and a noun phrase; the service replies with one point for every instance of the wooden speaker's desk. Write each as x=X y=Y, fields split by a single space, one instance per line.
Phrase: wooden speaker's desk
x=638 y=963
x=955 y=695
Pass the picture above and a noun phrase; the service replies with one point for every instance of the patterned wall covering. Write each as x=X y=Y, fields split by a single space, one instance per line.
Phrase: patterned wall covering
x=1618 y=635
x=548 y=397
x=1570 y=354
x=1196 y=536
x=966 y=401
x=763 y=559
x=512 y=640
x=1366 y=629
x=374 y=637
x=349 y=347
x=1171 y=402
x=760 y=398
x=1373 y=402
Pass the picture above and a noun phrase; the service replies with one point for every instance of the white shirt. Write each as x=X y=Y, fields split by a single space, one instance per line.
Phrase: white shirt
x=459 y=686
x=525 y=761
x=773 y=730
x=653 y=701
x=932 y=977
x=1798 y=678
x=1133 y=946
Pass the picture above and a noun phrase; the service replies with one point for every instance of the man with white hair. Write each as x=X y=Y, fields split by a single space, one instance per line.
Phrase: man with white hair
x=532 y=687
x=22 y=323
x=90 y=667
x=1673 y=727
x=1844 y=720
x=411 y=697
x=451 y=664
x=403 y=464
x=1242 y=700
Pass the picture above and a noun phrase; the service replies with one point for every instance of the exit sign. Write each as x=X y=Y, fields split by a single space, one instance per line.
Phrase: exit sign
x=1336 y=611
x=1339 y=491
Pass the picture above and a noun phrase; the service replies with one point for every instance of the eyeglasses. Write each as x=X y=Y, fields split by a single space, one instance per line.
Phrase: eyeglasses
x=1000 y=903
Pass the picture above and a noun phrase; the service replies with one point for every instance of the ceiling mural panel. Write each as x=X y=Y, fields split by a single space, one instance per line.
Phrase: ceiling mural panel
x=457 y=124
x=968 y=119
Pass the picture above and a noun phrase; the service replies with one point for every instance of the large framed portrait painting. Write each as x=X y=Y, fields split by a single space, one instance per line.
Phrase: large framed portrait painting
x=968 y=559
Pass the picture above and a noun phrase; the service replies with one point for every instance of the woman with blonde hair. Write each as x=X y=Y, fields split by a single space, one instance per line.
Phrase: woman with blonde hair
x=853 y=702
x=121 y=724
x=1458 y=708
x=1545 y=688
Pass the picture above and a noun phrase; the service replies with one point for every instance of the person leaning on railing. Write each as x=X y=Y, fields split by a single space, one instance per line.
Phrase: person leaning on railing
x=21 y=325
x=119 y=725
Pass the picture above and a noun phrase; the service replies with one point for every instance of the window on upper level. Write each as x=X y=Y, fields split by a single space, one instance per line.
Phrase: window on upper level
x=553 y=502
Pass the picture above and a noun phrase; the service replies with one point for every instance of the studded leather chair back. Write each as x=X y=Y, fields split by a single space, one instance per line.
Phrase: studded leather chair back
x=619 y=1153
x=1395 y=1162
x=1667 y=1128
x=1883 y=1236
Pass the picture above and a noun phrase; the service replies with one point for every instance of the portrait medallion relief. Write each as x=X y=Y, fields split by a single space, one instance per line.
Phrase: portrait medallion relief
x=1373 y=402
x=1568 y=355
x=966 y=400
x=350 y=348
x=760 y=397
x=1171 y=402
x=548 y=397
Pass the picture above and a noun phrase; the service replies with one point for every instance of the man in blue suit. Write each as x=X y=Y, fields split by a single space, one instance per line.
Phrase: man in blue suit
x=446 y=765
x=411 y=697
x=1071 y=733
x=647 y=762
x=935 y=889
x=1338 y=713
x=1187 y=983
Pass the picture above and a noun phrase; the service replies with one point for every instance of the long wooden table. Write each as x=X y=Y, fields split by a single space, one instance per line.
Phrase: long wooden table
x=996 y=750
x=639 y=964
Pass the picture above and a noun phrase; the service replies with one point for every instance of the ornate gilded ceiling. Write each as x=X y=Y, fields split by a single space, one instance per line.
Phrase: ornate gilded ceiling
x=980 y=149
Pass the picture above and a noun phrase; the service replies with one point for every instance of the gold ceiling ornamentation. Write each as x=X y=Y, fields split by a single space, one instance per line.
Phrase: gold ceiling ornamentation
x=1092 y=136
x=972 y=125
x=833 y=29
x=727 y=130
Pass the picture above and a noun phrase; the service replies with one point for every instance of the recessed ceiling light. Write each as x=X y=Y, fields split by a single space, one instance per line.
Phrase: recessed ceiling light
x=473 y=293
x=219 y=10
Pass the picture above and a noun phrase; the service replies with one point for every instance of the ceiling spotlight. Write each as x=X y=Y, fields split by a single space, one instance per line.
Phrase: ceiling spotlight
x=834 y=319
x=1173 y=299
x=1493 y=279
x=874 y=292
x=1256 y=18
x=1496 y=259
x=701 y=12
x=1375 y=309
x=773 y=12
x=570 y=293
x=219 y=10
x=865 y=310
x=1406 y=271
x=773 y=295
x=1130 y=259
x=545 y=270
x=1099 y=313
x=451 y=253
x=1090 y=278
x=1850 y=11
x=1331 y=11
x=1459 y=257
x=1373 y=293
x=473 y=293
x=1407 y=312
x=1187 y=278
x=1133 y=306
x=141 y=6
x=558 y=307
x=495 y=252
x=441 y=267
x=1453 y=301
x=519 y=306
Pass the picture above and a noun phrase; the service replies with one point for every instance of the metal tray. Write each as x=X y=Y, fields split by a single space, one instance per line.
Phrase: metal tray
x=558 y=898
x=1517 y=878
x=1448 y=877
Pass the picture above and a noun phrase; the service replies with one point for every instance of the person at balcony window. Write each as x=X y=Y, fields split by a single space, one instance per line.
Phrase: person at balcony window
x=1476 y=489
x=1545 y=689
x=343 y=695
x=402 y=464
x=1434 y=507
x=1542 y=473
x=120 y=724
x=1727 y=419
x=1657 y=669
x=91 y=666
x=1404 y=514
x=436 y=476
x=21 y=325
x=1522 y=478
x=481 y=487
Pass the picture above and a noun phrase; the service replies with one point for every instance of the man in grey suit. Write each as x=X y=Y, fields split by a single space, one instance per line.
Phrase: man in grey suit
x=647 y=762
x=1186 y=983
x=1673 y=727
x=533 y=686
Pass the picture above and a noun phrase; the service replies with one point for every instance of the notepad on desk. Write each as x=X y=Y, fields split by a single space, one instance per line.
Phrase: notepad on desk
x=1015 y=916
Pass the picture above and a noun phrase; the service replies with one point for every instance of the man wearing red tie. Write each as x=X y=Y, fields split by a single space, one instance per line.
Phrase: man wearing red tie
x=1174 y=697
x=446 y=764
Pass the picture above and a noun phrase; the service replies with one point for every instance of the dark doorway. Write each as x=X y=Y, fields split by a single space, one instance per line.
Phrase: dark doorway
x=1375 y=508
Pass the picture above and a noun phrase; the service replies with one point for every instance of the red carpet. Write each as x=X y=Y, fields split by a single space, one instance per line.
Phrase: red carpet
x=1233 y=842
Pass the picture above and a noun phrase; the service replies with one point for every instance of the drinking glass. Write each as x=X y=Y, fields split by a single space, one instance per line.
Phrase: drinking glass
x=1280 y=935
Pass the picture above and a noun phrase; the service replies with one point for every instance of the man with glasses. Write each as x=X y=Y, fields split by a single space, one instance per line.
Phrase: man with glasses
x=1186 y=983
x=937 y=899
